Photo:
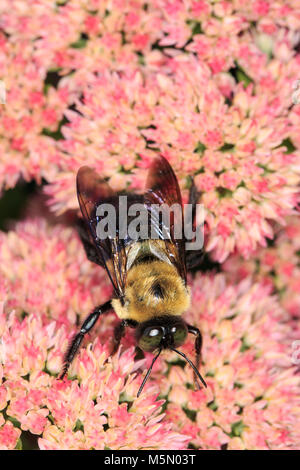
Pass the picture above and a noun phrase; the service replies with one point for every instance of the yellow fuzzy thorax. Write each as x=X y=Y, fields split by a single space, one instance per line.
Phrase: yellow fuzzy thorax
x=141 y=303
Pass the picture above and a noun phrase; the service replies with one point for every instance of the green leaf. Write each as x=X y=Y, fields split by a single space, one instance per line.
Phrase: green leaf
x=195 y=27
x=237 y=385
x=226 y=147
x=13 y=420
x=191 y=414
x=212 y=405
x=57 y=134
x=290 y=147
x=265 y=168
x=237 y=428
x=245 y=346
x=200 y=148
x=81 y=43
x=243 y=77
x=78 y=426
x=19 y=445
x=223 y=192
x=13 y=202
x=240 y=75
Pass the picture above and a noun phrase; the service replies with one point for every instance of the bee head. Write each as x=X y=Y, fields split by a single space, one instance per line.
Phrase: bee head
x=163 y=332
x=166 y=332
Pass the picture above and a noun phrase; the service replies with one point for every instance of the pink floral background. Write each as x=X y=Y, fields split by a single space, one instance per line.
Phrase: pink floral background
x=212 y=86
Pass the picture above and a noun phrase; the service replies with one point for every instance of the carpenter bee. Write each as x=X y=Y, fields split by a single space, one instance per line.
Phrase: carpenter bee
x=149 y=276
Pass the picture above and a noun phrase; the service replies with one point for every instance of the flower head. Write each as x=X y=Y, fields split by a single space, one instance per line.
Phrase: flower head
x=209 y=85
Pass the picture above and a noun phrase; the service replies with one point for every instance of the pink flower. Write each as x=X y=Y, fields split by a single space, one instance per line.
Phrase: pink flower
x=9 y=436
x=261 y=7
x=275 y=266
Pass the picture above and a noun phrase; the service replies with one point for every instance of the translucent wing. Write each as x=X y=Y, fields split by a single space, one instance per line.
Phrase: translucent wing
x=162 y=188
x=92 y=191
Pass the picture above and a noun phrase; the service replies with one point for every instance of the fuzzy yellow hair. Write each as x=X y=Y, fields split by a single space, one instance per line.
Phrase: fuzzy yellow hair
x=141 y=301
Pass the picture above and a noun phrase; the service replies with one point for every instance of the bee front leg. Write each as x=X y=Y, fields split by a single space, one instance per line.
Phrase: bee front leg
x=198 y=345
x=119 y=332
x=87 y=325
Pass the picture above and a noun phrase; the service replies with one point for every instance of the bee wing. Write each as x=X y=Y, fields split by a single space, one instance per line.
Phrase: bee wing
x=162 y=188
x=92 y=191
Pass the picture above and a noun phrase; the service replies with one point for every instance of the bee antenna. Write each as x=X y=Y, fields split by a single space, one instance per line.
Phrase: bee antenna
x=192 y=365
x=148 y=373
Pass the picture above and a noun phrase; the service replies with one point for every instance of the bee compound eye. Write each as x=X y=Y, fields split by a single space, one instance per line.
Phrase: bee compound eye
x=150 y=338
x=179 y=334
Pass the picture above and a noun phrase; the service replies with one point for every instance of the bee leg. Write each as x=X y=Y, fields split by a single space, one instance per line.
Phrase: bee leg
x=193 y=196
x=118 y=335
x=120 y=332
x=87 y=325
x=198 y=345
x=90 y=250
x=193 y=258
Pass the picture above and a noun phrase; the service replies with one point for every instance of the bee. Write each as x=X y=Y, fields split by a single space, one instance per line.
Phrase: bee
x=149 y=276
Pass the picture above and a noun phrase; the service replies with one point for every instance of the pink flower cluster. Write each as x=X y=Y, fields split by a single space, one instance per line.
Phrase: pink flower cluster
x=90 y=412
x=252 y=400
x=276 y=266
x=210 y=85
x=45 y=271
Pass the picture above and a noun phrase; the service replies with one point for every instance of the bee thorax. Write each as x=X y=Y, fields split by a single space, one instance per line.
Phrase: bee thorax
x=153 y=289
